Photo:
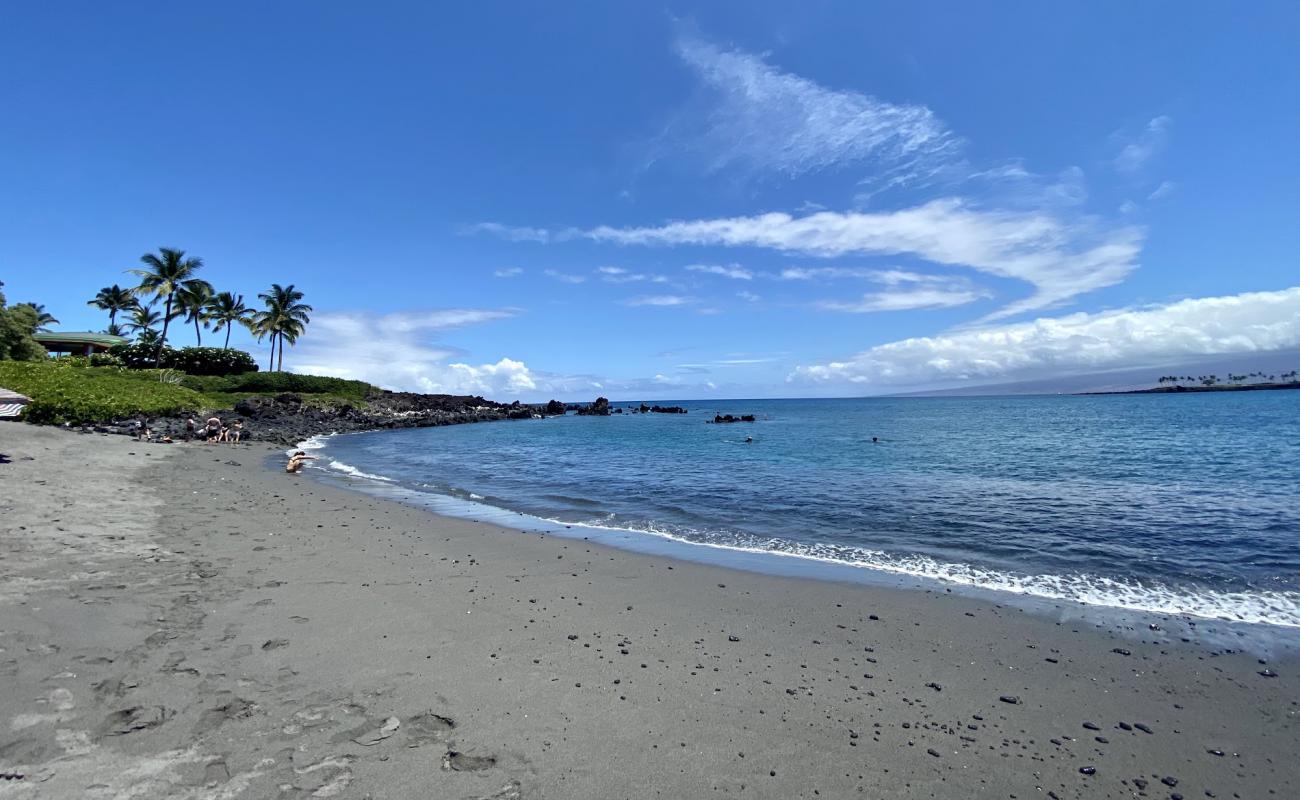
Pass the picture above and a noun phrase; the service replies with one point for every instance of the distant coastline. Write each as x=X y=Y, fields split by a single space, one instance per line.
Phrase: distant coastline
x=1232 y=387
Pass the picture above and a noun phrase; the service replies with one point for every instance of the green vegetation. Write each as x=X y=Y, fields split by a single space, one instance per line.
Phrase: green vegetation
x=1232 y=380
x=190 y=360
x=17 y=324
x=64 y=392
x=70 y=390
x=277 y=382
x=284 y=319
x=149 y=377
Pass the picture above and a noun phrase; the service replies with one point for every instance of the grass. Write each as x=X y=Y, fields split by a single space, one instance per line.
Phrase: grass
x=64 y=392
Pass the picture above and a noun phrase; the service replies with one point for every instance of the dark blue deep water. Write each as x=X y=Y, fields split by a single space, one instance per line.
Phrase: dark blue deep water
x=1186 y=504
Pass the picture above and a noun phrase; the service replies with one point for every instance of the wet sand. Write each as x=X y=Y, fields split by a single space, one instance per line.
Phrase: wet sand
x=178 y=621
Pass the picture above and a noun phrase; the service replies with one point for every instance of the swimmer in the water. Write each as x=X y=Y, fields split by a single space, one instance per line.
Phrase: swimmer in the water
x=874 y=440
x=749 y=440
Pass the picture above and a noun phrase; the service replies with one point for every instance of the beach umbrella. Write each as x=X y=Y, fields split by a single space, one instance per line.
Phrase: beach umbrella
x=11 y=403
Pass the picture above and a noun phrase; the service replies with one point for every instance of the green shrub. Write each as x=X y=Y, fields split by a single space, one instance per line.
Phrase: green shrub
x=210 y=361
x=277 y=382
x=190 y=360
x=140 y=355
x=105 y=360
x=62 y=392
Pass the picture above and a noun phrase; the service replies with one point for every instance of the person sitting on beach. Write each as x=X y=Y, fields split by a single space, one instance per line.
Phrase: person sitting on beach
x=297 y=461
x=142 y=429
x=236 y=432
x=189 y=427
x=213 y=429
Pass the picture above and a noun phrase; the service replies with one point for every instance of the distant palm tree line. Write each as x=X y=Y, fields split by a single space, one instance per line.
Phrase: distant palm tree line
x=1232 y=379
x=172 y=277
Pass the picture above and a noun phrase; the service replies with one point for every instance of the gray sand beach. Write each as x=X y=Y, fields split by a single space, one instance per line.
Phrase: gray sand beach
x=179 y=621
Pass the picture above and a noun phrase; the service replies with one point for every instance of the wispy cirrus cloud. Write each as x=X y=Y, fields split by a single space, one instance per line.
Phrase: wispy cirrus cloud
x=757 y=116
x=1137 y=150
x=661 y=300
x=622 y=275
x=512 y=233
x=564 y=277
x=909 y=290
x=733 y=271
x=906 y=300
x=1059 y=259
x=508 y=272
x=1152 y=336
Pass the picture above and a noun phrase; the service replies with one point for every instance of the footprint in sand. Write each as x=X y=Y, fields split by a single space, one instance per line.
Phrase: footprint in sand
x=234 y=709
x=136 y=718
x=462 y=762
x=428 y=727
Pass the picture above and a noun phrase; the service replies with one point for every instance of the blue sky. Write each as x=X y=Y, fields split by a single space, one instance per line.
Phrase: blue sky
x=723 y=199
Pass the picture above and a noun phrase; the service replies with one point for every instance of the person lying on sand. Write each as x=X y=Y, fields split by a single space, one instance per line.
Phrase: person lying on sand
x=297 y=461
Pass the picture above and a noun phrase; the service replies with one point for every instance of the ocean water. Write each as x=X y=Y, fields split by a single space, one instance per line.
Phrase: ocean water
x=1160 y=503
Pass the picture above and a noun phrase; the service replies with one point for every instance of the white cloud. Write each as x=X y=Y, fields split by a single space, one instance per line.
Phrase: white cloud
x=1140 y=149
x=748 y=296
x=906 y=299
x=755 y=115
x=508 y=272
x=813 y=273
x=1165 y=189
x=733 y=271
x=510 y=232
x=910 y=290
x=564 y=277
x=1061 y=260
x=396 y=351
x=400 y=352
x=1135 y=337
x=621 y=275
x=1012 y=184
x=662 y=300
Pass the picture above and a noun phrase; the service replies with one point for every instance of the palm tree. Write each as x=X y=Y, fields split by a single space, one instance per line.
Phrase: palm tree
x=143 y=318
x=113 y=299
x=43 y=318
x=114 y=329
x=165 y=274
x=285 y=317
x=225 y=310
x=192 y=302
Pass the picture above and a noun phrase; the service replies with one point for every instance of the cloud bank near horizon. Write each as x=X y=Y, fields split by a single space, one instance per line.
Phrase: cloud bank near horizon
x=1153 y=336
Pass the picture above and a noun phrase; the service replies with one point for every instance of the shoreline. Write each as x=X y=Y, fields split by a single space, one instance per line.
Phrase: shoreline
x=251 y=631
x=1256 y=635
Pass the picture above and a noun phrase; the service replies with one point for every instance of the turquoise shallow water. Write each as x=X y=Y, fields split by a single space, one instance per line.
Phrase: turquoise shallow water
x=1178 y=504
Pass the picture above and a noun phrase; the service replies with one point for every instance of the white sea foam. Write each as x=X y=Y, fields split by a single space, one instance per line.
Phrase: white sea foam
x=1259 y=607
x=348 y=469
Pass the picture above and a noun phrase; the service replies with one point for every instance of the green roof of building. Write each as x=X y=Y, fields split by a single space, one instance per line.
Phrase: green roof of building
x=81 y=337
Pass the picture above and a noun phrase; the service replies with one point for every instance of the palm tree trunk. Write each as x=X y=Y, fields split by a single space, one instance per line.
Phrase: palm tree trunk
x=198 y=337
x=167 y=318
x=112 y=317
x=270 y=367
x=281 y=367
x=227 y=347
